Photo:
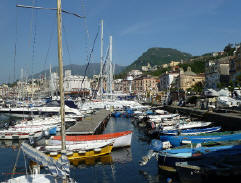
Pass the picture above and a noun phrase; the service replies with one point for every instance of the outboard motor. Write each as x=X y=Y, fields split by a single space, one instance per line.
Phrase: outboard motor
x=6 y=125
x=31 y=140
x=12 y=123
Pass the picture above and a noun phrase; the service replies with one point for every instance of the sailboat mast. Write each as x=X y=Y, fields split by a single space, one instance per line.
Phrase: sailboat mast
x=61 y=89
x=101 y=60
x=110 y=67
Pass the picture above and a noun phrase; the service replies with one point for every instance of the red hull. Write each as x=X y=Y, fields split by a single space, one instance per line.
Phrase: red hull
x=93 y=137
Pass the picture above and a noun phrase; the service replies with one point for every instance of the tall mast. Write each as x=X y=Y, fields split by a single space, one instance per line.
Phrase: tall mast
x=101 y=60
x=22 y=80
x=51 y=82
x=110 y=67
x=61 y=89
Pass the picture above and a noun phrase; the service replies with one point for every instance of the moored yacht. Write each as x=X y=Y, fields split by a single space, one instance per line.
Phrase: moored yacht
x=49 y=109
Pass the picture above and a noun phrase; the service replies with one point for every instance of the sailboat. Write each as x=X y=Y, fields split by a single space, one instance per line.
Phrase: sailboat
x=78 y=151
x=58 y=168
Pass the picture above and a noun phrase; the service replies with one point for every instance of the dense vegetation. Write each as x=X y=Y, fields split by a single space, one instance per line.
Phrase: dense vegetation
x=196 y=66
x=158 y=56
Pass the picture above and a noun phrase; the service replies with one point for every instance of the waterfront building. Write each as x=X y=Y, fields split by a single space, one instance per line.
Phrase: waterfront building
x=216 y=72
x=166 y=80
x=125 y=86
x=75 y=83
x=235 y=65
x=4 y=90
x=188 y=78
x=140 y=85
x=118 y=85
x=144 y=84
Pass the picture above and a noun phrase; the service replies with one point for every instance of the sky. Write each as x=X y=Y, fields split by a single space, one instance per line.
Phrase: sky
x=28 y=37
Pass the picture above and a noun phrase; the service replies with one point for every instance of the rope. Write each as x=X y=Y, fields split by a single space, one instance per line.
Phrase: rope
x=87 y=37
x=102 y=72
x=67 y=45
x=15 y=165
x=50 y=41
x=35 y=7
x=25 y=163
x=89 y=58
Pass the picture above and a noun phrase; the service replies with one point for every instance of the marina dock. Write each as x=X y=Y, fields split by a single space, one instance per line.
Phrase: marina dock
x=90 y=125
x=228 y=120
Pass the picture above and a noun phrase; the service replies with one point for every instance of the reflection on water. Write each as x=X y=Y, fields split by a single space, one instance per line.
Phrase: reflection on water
x=161 y=177
x=105 y=159
x=14 y=144
x=119 y=166
x=117 y=156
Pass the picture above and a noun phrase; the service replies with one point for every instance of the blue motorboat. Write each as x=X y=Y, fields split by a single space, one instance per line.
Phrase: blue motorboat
x=210 y=137
x=191 y=131
x=53 y=131
x=167 y=158
x=217 y=166
x=117 y=114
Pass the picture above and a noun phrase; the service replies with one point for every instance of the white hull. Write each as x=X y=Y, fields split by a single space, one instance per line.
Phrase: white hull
x=34 y=178
x=15 y=136
x=187 y=125
x=80 y=146
x=121 y=141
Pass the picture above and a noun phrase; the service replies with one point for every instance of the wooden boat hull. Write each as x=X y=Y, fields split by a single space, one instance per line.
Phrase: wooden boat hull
x=121 y=139
x=84 y=154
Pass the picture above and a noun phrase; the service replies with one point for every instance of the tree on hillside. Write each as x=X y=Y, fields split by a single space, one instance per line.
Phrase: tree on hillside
x=229 y=49
x=158 y=56
x=198 y=87
x=196 y=66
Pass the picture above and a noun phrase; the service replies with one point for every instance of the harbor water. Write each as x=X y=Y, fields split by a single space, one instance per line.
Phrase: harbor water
x=122 y=165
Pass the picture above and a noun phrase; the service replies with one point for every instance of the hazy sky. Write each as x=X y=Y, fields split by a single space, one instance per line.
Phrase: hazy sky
x=192 y=26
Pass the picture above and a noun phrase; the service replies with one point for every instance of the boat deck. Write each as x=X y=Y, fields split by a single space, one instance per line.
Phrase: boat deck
x=93 y=124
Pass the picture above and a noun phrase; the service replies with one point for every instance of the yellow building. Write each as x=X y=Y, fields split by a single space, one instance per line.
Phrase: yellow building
x=173 y=63
x=187 y=79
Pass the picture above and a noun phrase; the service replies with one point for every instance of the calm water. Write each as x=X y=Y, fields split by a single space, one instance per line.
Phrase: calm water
x=120 y=166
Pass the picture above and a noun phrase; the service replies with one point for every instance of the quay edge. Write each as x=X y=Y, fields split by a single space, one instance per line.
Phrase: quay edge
x=230 y=120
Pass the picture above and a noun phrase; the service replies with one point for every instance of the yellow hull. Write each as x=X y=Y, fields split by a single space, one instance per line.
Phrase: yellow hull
x=84 y=155
x=104 y=159
x=167 y=168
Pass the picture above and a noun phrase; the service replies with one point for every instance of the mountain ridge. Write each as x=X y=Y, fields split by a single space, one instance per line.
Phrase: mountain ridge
x=158 y=56
x=93 y=69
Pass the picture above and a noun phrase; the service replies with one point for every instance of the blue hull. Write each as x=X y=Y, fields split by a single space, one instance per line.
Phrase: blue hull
x=116 y=114
x=52 y=131
x=168 y=158
x=191 y=131
x=177 y=140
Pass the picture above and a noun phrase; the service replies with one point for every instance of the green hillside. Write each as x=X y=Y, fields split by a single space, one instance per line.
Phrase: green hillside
x=158 y=56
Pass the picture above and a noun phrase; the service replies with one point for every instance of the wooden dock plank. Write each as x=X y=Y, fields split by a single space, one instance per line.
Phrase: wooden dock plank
x=90 y=124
